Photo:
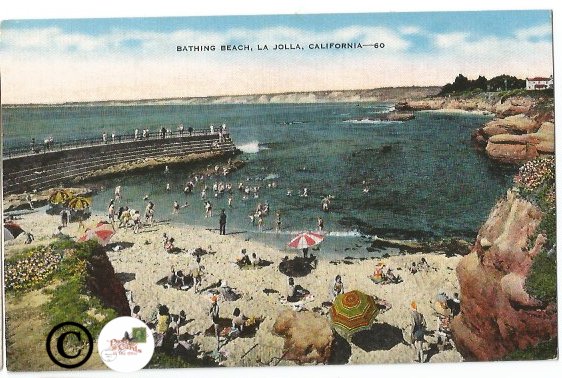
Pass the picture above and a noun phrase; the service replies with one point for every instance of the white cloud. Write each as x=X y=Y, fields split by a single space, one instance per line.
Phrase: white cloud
x=55 y=40
x=52 y=65
x=448 y=40
x=534 y=32
x=410 y=30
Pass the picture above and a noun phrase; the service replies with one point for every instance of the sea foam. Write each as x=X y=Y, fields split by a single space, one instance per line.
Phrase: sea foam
x=252 y=147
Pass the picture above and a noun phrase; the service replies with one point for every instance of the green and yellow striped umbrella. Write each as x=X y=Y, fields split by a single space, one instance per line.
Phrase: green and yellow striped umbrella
x=59 y=196
x=352 y=312
x=79 y=203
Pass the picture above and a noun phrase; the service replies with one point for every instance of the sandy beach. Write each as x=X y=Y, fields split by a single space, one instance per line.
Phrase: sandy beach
x=144 y=261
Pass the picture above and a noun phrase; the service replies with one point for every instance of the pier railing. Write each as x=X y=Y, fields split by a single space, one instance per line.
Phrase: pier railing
x=32 y=171
x=68 y=144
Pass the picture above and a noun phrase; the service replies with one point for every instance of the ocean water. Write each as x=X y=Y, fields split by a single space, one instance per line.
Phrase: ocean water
x=424 y=178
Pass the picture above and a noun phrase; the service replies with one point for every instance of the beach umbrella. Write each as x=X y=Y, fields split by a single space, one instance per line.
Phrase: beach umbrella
x=59 y=196
x=101 y=233
x=306 y=240
x=79 y=203
x=11 y=231
x=352 y=312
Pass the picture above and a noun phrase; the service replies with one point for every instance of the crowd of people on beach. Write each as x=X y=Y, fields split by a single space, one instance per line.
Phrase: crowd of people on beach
x=213 y=187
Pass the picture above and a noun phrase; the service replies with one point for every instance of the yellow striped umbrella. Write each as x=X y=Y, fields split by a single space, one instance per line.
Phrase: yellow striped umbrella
x=79 y=203
x=59 y=196
x=352 y=312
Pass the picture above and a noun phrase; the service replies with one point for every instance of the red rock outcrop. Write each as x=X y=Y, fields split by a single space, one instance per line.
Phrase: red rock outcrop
x=104 y=284
x=497 y=314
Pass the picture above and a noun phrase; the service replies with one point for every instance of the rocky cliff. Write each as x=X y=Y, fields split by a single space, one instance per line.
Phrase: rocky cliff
x=523 y=127
x=522 y=130
x=498 y=315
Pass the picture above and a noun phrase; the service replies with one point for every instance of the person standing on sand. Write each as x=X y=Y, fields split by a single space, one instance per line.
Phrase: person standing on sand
x=136 y=221
x=222 y=223
x=418 y=332
x=29 y=200
x=111 y=212
x=214 y=311
x=64 y=215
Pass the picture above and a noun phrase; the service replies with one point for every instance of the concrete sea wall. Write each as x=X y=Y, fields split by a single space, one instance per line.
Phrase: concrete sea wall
x=58 y=168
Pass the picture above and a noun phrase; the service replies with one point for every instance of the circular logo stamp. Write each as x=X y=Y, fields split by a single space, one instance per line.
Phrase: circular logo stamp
x=125 y=344
x=69 y=345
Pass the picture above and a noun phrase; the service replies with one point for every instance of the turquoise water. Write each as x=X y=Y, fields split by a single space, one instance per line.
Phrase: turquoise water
x=425 y=179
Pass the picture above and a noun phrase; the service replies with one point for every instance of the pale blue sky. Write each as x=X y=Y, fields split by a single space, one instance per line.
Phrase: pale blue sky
x=101 y=59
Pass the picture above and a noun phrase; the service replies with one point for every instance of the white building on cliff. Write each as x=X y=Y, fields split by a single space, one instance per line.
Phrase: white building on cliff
x=539 y=83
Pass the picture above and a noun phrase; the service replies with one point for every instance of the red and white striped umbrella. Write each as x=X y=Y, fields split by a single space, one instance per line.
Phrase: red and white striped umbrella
x=102 y=233
x=11 y=230
x=305 y=240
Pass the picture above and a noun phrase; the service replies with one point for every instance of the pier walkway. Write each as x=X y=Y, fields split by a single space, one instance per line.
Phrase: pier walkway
x=73 y=161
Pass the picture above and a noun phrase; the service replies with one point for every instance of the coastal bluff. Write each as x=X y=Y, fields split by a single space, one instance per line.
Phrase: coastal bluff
x=68 y=166
x=498 y=315
x=522 y=128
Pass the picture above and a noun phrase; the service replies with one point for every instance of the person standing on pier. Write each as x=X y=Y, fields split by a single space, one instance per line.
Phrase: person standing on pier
x=136 y=134
x=222 y=223
x=212 y=128
x=104 y=137
x=180 y=129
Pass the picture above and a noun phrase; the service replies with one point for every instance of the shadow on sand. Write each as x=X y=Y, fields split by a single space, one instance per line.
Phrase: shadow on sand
x=341 y=351
x=381 y=336
x=125 y=277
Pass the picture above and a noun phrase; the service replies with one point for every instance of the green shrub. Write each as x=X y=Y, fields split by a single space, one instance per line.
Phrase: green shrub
x=161 y=360
x=536 y=184
x=541 y=282
x=546 y=350
x=63 y=261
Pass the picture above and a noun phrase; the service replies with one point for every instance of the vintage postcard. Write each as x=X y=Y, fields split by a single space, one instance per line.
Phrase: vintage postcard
x=286 y=190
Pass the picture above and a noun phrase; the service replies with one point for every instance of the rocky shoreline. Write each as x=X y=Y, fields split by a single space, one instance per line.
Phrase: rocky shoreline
x=522 y=128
